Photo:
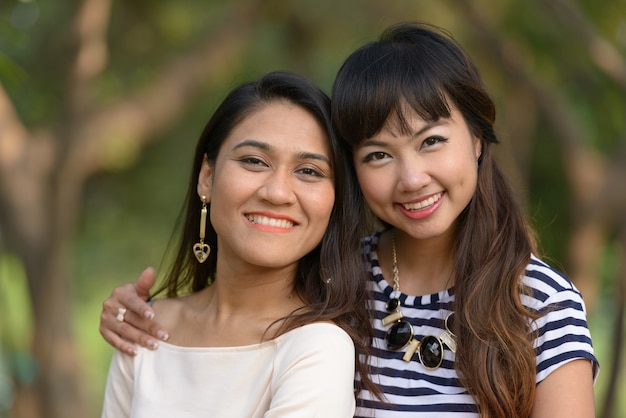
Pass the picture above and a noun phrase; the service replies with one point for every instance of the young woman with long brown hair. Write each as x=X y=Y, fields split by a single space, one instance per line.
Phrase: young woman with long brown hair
x=456 y=273
x=265 y=298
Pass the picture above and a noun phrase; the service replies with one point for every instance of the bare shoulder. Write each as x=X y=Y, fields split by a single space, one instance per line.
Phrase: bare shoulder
x=169 y=311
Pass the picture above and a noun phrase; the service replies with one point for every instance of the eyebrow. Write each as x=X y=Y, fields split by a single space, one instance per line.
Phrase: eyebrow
x=430 y=125
x=426 y=127
x=267 y=147
x=314 y=156
x=253 y=143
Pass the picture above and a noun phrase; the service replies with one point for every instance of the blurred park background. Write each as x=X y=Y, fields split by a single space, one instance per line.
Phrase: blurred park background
x=101 y=103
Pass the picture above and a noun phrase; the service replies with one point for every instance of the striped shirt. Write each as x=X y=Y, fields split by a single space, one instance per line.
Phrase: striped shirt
x=413 y=391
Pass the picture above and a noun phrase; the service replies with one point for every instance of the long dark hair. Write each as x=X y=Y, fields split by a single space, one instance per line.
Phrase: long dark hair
x=342 y=299
x=419 y=65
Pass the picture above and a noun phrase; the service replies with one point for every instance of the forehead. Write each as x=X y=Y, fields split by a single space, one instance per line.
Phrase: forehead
x=409 y=122
x=284 y=125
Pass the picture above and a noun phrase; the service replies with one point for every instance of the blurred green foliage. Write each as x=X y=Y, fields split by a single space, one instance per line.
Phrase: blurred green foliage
x=129 y=212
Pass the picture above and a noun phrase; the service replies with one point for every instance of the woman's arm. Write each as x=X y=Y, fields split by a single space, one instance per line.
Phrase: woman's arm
x=566 y=364
x=137 y=325
x=567 y=392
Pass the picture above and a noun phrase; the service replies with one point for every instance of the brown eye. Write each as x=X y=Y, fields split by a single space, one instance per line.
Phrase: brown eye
x=310 y=172
x=253 y=161
x=432 y=141
x=375 y=156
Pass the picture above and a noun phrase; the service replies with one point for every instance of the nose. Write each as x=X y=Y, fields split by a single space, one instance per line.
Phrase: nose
x=412 y=175
x=278 y=189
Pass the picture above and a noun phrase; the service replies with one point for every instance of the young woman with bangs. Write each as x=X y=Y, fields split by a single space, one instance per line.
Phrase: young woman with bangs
x=468 y=320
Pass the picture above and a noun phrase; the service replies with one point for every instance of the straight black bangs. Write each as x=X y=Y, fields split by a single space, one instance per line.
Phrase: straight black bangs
x=386 y=80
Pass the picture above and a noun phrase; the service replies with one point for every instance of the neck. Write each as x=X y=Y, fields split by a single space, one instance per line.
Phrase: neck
x=424 y=266
x=237 y=292
x=237 y=309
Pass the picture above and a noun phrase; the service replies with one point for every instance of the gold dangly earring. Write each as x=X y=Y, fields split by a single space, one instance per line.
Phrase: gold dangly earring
x=200 y=249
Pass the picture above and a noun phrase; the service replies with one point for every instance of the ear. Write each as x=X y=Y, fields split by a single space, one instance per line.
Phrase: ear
x=478 y=149
x=205 y=179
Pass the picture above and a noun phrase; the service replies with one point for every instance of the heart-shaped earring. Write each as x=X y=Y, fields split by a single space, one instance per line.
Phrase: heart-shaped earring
x=200 y=249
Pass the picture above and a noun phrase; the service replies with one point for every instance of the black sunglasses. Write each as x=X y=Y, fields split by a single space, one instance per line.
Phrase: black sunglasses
x=429 y=349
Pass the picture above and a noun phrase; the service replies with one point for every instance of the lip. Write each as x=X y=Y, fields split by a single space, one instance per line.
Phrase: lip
x=413 y=210
x=271 y=222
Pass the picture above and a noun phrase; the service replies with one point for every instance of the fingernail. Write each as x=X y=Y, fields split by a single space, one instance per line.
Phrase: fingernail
x=148 y=314
x=162 y=335
x=132 y=351
x=153 y=345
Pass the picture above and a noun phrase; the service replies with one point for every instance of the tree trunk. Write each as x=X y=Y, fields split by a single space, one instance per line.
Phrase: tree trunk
x=42 y=174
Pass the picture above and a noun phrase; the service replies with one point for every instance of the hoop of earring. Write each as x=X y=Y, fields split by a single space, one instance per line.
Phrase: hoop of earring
x=200 y=249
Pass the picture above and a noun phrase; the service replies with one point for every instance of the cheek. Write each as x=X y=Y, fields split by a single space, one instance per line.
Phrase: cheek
x=226 y=196
x=467 y=177
x=330 y=202
x=373 y=186
x=319 y=208
x=321 y=204
x=365 y=184
x=463 y=165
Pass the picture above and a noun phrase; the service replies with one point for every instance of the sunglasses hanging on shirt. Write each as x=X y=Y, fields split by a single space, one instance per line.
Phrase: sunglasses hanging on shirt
x=429 y=348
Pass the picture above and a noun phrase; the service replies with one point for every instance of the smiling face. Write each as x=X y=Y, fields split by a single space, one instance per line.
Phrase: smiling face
x=271 y=187
x=421 y=181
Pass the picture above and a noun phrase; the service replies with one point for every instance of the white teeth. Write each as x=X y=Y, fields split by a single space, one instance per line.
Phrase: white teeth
x=264 y=220
x=424 y=203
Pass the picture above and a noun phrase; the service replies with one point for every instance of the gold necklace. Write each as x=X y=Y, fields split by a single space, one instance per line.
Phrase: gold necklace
x=430 y=348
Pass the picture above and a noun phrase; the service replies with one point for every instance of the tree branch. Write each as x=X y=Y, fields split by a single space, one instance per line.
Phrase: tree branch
x=135 y=120
x=23 y=164
x=13 y=136
x=90 y=28
x=604 y=55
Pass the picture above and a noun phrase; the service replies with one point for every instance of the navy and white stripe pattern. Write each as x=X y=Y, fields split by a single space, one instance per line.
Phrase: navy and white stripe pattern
x=413 y=391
